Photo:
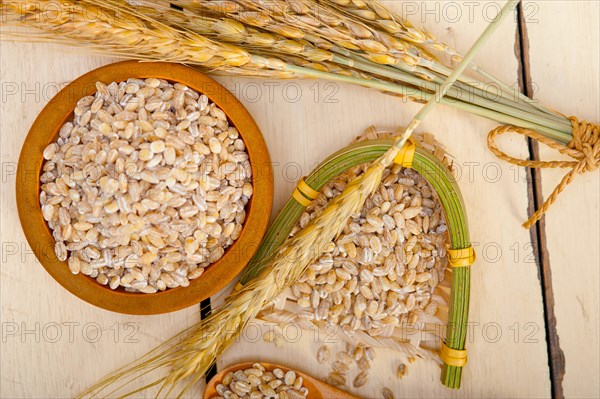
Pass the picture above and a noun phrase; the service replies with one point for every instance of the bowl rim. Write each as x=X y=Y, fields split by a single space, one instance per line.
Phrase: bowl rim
x=216 y=276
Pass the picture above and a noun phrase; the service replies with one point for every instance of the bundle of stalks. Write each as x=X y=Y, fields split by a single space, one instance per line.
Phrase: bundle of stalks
x=395 y=53
x=281 y=39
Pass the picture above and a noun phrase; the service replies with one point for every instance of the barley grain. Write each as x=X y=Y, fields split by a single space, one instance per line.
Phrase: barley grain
x=323 y=354
x=401 y=371
x=360 y=379
x=387 y=393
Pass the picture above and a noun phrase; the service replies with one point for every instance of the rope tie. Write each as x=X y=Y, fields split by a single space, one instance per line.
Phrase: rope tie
x=584 y=148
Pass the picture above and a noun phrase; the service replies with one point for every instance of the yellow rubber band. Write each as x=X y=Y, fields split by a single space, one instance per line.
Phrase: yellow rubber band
x=462 y=257
x=298 y=196
x=307 y=190
x=406 y=155
x=453 y=357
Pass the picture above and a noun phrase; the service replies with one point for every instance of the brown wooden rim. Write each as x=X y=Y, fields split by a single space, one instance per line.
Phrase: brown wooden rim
x=45 y=130
x=317 y=389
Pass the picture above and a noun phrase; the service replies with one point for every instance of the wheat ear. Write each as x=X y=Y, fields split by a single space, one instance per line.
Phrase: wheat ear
x=123 y=33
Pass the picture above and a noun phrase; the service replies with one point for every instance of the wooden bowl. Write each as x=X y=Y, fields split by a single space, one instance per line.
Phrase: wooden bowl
x=45 y=130
x=317 y=389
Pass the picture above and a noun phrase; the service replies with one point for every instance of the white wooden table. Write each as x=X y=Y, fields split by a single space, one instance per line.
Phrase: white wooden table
x=527 y=310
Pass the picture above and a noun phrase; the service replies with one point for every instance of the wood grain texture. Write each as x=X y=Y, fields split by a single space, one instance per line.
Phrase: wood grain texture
x=506 y=293
x=564 y=69
x=303 y=122
x=53 y=344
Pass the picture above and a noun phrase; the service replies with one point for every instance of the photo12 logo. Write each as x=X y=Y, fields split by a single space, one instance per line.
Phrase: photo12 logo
x=29 y=92
x=461 y=11
x=68 y=331
x=265 y=91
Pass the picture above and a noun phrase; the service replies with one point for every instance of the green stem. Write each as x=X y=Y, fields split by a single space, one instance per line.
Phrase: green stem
x=520 y=108
x=506 y=90
x=415 y=93
x=476 y=95
x=456 y=331
x=487 y=33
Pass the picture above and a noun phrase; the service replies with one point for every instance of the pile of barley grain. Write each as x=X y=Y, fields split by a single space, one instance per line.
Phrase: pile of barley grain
x=257 y=382
x=382 y=270
x=146 y=187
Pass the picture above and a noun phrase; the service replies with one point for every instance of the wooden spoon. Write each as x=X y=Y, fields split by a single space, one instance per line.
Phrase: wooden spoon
x=316 y=389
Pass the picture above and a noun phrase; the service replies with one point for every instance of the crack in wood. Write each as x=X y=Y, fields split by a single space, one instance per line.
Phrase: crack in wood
x=205 y=311
x=556 y=357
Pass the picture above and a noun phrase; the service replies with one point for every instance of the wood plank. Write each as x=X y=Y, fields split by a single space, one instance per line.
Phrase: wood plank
x=505 y=291
x=53 y=344
x=564 y=67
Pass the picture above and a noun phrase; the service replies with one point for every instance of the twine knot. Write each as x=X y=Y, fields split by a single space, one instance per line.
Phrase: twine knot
x=586 y=141
x=584 y=149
